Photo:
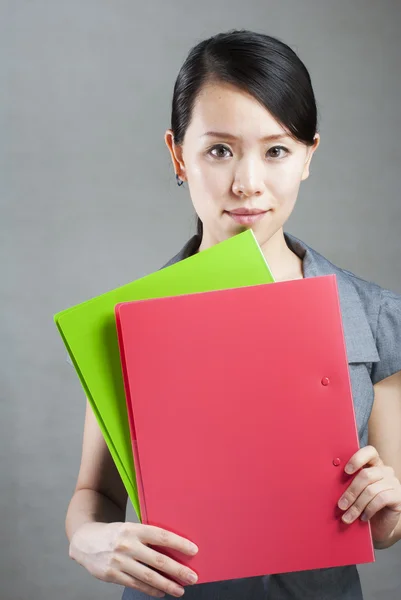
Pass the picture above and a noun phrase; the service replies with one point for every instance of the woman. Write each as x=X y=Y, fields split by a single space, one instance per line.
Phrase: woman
x=243 y=134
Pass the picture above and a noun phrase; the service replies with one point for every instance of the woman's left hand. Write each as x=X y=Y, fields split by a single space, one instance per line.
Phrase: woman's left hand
x=374 y=494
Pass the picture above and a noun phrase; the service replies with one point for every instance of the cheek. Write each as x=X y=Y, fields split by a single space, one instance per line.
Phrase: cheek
x=205 y=179
x=285 y=181
x=207 y=188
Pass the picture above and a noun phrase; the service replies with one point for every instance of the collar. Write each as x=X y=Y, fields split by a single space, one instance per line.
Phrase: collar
x=359 y=339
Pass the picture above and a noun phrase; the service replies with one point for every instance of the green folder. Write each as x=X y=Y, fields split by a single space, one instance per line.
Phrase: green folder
x=90 y=336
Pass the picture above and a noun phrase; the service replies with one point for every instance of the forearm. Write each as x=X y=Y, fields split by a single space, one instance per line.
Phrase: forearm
x=89 y=506
x=391 y=540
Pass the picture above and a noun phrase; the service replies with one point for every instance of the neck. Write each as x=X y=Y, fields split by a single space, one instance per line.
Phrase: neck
x=283 y=263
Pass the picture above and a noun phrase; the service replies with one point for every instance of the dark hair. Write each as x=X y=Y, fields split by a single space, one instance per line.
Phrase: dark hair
x=261 y=65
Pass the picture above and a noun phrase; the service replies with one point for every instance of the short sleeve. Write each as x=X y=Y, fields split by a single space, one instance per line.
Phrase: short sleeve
x=388 y=337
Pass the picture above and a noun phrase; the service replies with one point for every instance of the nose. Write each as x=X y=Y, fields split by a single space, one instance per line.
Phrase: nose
x=248 y=180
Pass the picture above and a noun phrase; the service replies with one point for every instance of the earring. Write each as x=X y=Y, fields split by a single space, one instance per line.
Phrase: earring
x=179 y=180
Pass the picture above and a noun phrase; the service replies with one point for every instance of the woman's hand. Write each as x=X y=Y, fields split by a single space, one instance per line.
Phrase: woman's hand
x=374 y=494
x=119 y=553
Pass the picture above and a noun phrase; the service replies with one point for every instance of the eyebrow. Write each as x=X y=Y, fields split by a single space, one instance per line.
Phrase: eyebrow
x=224 y=134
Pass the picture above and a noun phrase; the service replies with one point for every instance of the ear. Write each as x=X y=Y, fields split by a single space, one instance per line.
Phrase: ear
x=176 y=154
x=309 y=154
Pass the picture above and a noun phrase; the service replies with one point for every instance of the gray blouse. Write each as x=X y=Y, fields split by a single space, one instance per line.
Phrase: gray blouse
x=372 y=328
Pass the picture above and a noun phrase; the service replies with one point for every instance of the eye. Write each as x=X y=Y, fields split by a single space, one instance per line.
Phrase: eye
x=278 y=152
x=220 y=151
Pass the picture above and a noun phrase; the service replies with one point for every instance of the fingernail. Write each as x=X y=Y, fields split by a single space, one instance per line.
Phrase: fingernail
x=192 y=578
x=343 y=503
x=347 y=518
x=364 y=517
x=193 y=548
x=349 y=469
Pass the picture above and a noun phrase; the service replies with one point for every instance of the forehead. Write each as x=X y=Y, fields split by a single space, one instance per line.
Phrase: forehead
x=224 y=107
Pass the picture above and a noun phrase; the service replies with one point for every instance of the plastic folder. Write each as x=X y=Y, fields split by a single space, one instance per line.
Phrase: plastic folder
x=243 y=421
x=89 y=332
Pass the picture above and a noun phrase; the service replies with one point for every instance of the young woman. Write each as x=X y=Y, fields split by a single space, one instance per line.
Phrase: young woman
x=243 y=134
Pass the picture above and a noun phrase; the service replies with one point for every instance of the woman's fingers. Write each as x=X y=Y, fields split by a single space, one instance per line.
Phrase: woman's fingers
x=363 y=479
x=120 y=553
x=147 y=576
x=163 y=563
x=368 y=455
x=118 y=577
x=385 y=499
x=371 y=487
x=373 y=492
x=145 y=564
x=160 y=537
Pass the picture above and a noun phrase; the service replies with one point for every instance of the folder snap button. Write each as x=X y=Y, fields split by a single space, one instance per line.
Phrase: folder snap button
x=336 y=462
x=325 y=381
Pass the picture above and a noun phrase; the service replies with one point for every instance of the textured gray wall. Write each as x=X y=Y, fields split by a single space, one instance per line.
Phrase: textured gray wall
x=89 y=202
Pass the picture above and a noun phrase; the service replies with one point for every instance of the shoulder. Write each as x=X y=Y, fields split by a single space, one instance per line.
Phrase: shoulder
x=368 y=292
x=374 y=298
x=186 y=251
x=371 y=314
x=316 y=264
x=382 y=306
x=382 y=309
x=370 y=295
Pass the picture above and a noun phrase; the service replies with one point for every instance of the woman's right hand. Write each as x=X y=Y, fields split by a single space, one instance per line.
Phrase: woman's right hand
x=120 y=553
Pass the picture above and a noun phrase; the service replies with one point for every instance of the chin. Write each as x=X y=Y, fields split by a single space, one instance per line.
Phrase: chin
x=237 y=229
x=264 y=234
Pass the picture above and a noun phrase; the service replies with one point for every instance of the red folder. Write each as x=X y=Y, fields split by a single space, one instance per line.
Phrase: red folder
x=242 y=422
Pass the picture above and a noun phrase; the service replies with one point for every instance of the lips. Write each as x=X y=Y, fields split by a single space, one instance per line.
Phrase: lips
x=246 y=211
x=246 y=216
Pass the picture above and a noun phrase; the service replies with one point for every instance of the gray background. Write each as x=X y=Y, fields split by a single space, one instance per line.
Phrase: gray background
x=89 y=202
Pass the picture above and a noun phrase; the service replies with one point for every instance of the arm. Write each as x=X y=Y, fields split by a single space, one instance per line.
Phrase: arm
x=385 y=433
x=99 y=493
x=110 y=549
x=374 y=494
